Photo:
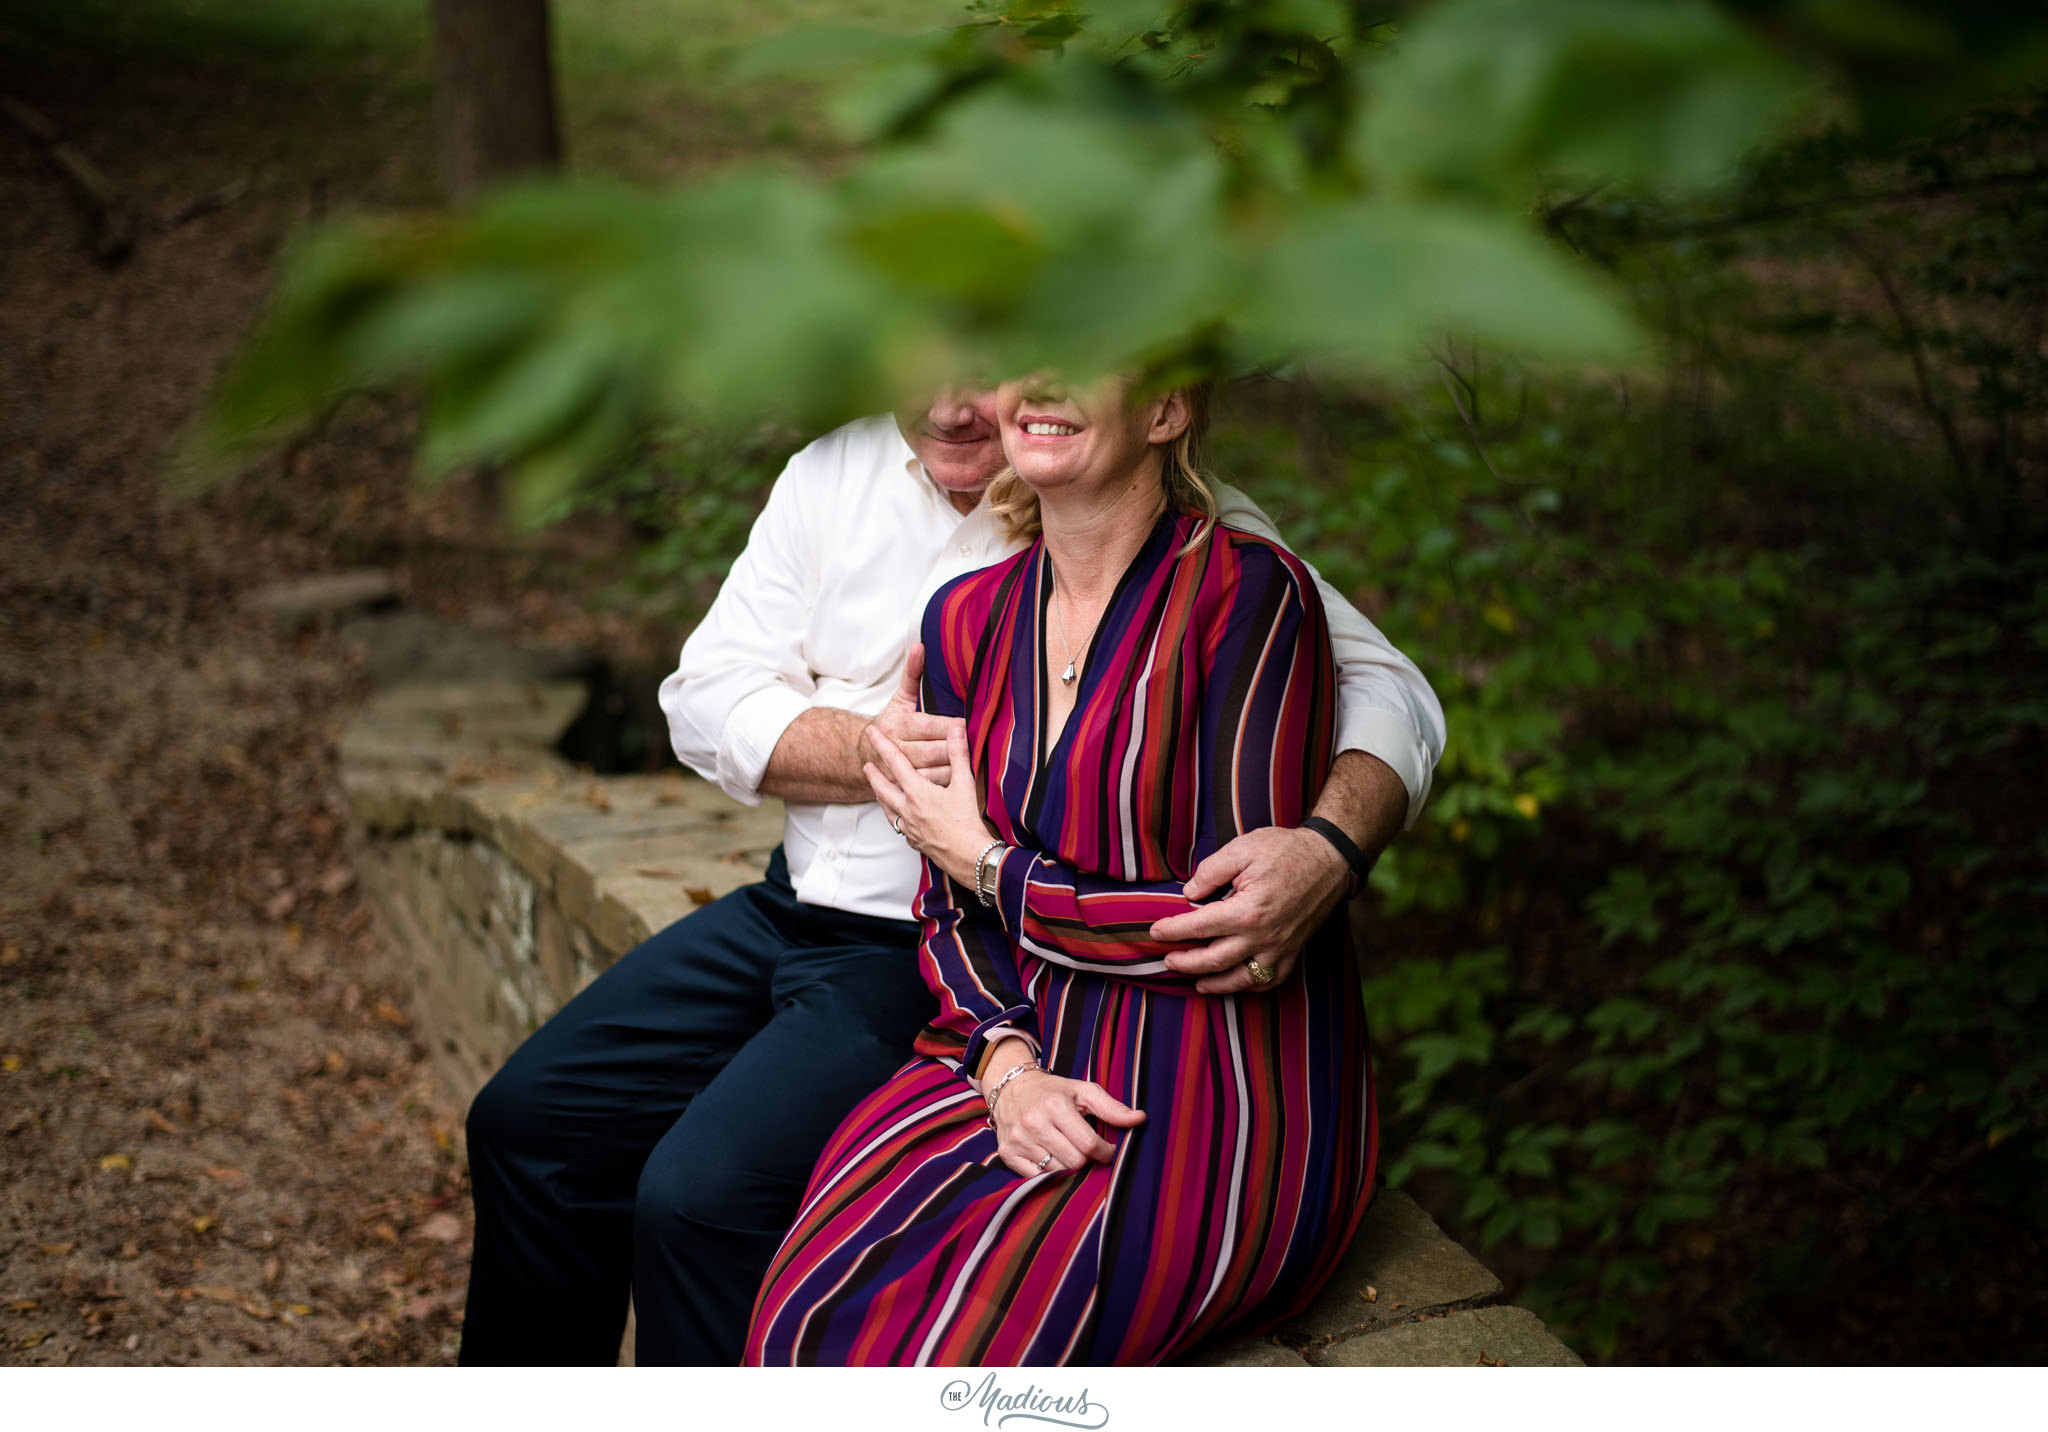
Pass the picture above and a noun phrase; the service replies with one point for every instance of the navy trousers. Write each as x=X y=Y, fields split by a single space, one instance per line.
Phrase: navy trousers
x=660 y=1129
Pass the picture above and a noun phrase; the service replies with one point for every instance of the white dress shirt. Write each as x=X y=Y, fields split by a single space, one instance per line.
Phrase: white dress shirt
x=823 y=604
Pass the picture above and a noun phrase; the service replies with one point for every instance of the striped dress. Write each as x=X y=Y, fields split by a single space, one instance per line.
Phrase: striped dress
x=1205 y=708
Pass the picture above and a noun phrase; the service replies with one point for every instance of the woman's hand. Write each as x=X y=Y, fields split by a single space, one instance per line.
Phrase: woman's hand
x=1042 y=1123
x=941 y=821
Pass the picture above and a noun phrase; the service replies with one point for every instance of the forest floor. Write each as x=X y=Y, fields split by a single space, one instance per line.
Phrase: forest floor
x=222 y=1138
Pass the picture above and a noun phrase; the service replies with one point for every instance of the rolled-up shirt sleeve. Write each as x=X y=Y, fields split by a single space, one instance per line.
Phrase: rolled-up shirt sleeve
x=742 y=677
x=1385 y=706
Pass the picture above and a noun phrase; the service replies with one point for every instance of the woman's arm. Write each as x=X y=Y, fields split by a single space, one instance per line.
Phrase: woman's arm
x=1263 y=751
x=1264 y=744
x=963 y=951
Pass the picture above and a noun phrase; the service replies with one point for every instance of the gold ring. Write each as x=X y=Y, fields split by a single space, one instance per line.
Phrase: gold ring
x=1259 y=973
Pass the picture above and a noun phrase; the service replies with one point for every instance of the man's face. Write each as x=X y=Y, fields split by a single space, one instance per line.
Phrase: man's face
x=956 y=439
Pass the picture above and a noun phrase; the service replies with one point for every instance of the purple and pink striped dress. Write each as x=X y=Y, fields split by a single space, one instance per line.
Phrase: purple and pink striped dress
x=1205 y=709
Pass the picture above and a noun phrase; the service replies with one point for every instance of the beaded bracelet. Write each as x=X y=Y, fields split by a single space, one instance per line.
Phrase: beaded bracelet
x=1002 y=1084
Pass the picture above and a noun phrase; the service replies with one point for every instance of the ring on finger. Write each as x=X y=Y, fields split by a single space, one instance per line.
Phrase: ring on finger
x=1259 y=973
x=1044 y=1163
x=896 y=824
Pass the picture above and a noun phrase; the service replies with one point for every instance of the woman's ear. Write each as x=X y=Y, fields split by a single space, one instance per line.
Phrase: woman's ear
x=1170 y=416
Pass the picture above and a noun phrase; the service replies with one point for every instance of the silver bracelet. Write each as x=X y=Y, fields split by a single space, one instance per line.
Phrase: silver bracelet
x=1004 y=1083
x=981 y=893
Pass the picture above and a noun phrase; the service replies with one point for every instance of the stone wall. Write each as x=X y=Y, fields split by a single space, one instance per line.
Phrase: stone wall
x=511 y=880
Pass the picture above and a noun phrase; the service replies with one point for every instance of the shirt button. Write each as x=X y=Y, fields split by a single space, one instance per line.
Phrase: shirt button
x=966 y=549
x=831 y=855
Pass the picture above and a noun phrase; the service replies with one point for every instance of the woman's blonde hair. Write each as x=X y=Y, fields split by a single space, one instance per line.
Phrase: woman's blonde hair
x=1184 y=477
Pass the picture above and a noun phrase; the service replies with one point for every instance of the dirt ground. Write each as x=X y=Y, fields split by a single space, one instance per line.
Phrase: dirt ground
x=221 y=1138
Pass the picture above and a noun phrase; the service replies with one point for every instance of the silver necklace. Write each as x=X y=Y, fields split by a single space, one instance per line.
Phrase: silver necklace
x=1067 y=676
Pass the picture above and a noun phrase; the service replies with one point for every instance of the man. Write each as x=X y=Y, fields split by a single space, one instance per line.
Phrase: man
x=660 y=1129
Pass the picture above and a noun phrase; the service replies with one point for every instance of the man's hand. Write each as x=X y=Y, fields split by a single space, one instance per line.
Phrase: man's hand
x=1284 y=884
x=919 y=736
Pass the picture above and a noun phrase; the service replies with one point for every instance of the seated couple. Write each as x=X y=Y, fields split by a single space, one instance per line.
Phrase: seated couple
x=1106 y=1097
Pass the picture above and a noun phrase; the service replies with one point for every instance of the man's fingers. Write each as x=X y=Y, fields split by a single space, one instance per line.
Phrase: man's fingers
x=1209 y=922
x=927 y=757
x=1218 y=870
x=898 y=769
x=1212 y=958
x=1239 y=979
x=956 y=752
x=921 y=726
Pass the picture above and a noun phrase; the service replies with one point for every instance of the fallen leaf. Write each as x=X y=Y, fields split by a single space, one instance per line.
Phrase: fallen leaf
x=23 y=1305
x=386 y=1232
x=390 y=1013
x=130 y=1249
x=1371 y=1294
x=215 y=1293
x=29 y=1340
x=10 y=954
x=115 y=1161
x=442 y=1228
x=271 y=1268
x=337 y=880
x=300 y=1309
x=226 y=1173
x=334 y=1062
x=699 y=895
x=159 y=1122
x=597 y=798
x=203 y=1222
x=655 y=872
x=280 y=904
x=9 y=1063
x=256 y=1310
x=443 y=1140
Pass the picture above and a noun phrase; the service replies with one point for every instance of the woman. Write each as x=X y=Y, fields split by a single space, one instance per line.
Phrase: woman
x=1138 y=686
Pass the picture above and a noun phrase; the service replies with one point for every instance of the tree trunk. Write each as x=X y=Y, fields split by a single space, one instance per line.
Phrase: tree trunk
x=494 y=93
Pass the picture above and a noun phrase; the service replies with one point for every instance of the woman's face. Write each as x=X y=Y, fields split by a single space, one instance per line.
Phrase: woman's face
x=1058 y=436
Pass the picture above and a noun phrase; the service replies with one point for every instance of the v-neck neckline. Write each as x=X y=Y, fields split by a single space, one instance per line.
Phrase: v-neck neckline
x=1043 y=753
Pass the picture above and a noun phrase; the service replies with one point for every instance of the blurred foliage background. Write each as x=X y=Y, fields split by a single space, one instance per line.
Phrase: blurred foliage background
x=1667 y=377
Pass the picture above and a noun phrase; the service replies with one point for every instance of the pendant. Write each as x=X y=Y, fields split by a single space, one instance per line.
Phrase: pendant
x=1067 y=676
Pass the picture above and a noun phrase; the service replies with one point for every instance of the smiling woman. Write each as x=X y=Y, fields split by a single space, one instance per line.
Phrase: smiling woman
x=1034 y=440
x=1095 y=1161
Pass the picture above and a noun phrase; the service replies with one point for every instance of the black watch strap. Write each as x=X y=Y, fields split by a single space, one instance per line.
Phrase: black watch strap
x=1354 y=857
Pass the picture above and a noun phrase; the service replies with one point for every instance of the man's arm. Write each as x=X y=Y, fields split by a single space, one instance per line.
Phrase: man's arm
x=820 y=755
x=1385 y=707
x=1285 y=881
x=741 y=703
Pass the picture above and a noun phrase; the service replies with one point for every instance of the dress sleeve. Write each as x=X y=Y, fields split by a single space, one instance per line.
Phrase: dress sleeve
x=1264 y=750
x=964 y=952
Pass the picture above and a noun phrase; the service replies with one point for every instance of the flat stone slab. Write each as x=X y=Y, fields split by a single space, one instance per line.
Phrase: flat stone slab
x=1406 y=1262
x=464 y=731
x=1482 y=1337
x=326 y=597
x=1252 y=1352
